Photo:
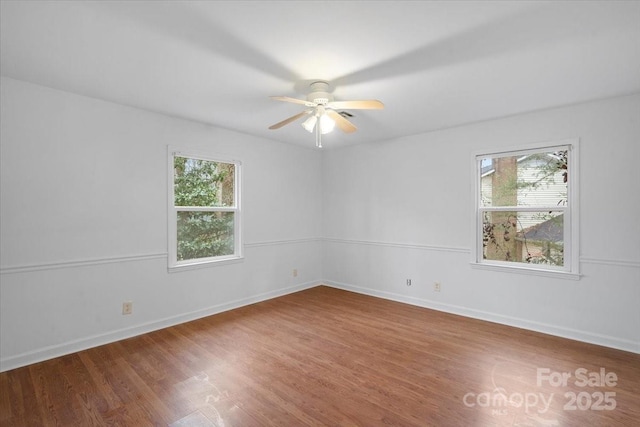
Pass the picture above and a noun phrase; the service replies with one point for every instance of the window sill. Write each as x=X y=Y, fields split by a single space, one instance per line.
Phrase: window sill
x=205 y=264
x=527 y=270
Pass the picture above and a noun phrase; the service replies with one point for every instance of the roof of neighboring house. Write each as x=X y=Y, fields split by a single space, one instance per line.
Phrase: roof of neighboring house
x=486 y=170
x=549 y=230
x=489 y=169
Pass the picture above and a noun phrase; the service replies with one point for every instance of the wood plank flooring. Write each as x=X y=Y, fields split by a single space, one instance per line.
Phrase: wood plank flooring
x=329 y=357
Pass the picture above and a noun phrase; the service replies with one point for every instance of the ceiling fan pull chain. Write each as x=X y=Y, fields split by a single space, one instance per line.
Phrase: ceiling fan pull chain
x=318 y=135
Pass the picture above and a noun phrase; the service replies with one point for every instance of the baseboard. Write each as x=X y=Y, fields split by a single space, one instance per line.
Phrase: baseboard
x=63 y=349
x=58 y=350
x=588 y=337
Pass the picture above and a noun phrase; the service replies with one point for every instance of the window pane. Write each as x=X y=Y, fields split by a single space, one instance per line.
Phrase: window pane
x=524 y=237
x=534 y=180
x=204 y=234
x=203 y=182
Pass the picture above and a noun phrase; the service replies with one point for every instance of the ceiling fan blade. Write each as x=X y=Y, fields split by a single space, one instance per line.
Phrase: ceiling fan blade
x=369 y=104
x=289 y=120
x=344 y=124
x=294 y=100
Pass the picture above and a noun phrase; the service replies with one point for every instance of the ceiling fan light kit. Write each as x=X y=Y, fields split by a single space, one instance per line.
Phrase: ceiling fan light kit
x=310 y=123
x=326 y=124
x=321 y=109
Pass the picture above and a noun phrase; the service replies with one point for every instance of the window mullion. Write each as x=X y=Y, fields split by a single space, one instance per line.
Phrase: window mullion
x=522 y=208
x=205 y=208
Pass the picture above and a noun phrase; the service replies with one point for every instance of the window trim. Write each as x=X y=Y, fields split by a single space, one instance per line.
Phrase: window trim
x=571 y=217
x=172 y=212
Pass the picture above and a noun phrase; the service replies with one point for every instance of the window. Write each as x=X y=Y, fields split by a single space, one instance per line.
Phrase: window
x=525 y=209
x=204 y=209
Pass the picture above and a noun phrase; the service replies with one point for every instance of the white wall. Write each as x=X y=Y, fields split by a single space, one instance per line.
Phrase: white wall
x=84 y=222
x=403 y=209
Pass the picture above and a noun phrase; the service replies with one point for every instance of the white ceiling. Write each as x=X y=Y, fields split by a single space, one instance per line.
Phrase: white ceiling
x=434 y=64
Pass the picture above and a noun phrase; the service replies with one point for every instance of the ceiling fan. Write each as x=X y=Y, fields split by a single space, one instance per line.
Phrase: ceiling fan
x=322 y=111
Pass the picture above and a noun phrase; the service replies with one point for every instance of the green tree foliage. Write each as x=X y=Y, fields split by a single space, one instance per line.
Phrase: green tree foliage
x=203 y=183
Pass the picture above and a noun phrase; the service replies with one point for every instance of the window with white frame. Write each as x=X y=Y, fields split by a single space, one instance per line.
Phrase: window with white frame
x=204 y=209
x=526 y=216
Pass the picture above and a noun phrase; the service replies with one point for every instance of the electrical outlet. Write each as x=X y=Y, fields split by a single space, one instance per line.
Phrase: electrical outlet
x=127 y=307
x=408 y=282
x=436 y=286
x=295 y=272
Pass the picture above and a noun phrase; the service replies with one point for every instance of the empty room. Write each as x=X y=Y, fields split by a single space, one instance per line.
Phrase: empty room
x=319 y=213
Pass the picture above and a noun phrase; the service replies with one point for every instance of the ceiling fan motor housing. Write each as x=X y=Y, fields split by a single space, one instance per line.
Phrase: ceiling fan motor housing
x=319 y=93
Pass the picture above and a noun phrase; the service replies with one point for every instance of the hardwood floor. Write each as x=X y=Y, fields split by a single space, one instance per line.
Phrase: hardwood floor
x=329 y=357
